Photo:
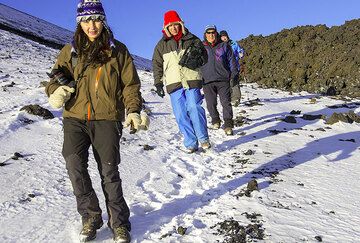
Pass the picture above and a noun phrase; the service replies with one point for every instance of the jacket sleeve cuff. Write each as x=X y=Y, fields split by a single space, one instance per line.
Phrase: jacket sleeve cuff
x=160 y=85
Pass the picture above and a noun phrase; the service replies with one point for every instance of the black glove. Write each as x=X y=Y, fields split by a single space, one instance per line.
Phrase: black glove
x=160 y=90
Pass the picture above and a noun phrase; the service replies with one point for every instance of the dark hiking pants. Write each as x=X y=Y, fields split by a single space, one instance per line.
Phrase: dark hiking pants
x=235 y=92
x=104 y=138
x=211 y=91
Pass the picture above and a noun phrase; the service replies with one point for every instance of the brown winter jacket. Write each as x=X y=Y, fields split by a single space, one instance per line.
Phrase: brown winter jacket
x=117 y=89
x=166 y=68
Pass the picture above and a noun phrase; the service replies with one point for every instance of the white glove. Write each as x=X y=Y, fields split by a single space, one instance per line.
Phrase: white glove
x=134 y=119
x=60 y=96
x=145 y=121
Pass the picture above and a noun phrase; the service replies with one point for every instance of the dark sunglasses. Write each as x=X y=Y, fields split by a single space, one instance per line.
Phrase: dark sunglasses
x=210 y=32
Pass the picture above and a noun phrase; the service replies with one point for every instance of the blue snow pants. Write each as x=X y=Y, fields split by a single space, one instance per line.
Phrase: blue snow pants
x=190 y=116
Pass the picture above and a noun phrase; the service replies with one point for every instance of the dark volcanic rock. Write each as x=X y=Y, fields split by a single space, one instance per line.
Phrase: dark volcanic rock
x=312 y=117
x=349 y=117
x=316 y=59
x=289 y=119
x=38 y=111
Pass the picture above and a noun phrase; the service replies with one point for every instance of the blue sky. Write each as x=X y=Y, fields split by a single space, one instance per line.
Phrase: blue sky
x=138 y=23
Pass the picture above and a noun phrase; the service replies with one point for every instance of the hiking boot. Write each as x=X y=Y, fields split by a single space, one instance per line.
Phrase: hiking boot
x=228 y=131
x=190 y=150
x=121 y=235
x=216 y=125
x=206 y=145
x=90 y=225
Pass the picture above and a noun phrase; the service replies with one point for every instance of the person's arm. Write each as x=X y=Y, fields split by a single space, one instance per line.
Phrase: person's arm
x=231 y=62
x=158 y=63
x=130 y=82
x=204 y=54
x=241 y=51
x=62 y=64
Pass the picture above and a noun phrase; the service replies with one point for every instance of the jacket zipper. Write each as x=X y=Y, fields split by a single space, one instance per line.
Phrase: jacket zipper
x=96 y=92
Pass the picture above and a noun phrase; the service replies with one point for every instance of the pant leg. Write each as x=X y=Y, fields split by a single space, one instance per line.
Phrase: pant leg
x=196 y=112
x=75 y=151
x=105 y=139
x=225 y=100
x=178 y=102
x=235 y=94
x=210 y=92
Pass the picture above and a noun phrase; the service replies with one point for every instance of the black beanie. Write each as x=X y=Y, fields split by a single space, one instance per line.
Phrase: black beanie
x=224 y=33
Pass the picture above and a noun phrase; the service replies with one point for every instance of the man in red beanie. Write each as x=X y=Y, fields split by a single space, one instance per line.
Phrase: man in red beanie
x=176 y=62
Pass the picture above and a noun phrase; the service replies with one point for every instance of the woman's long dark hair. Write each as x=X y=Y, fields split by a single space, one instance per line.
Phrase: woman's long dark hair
x=96 y=52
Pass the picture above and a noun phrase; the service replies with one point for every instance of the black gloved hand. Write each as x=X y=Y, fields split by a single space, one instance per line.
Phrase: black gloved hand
x=160 y=90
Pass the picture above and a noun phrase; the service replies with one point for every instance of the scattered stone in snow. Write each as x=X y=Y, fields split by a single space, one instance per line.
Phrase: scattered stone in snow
x=293 y=112
x=249 y=152
x=289 y=119
x=181 y=230
x=252 y=185
x=253 y=102
x=241 y=120
x=25 y=120
x=242 y=161
x=279 y=205
x=236 y=233
x=165 y=235
x=253 y=217
x=38 y=111
x=274 y=131
x=349 y=117
x=17 y=155
x=148 y=147
x=320 y=129
x=318 y=238
x=9 y=85
x=312 y=117
x=5 y=76
x=312 y=101
x=274 y=178
x=25 y=200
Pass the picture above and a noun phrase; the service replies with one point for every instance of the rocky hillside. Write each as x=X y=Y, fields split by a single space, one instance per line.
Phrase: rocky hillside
x=316 y=59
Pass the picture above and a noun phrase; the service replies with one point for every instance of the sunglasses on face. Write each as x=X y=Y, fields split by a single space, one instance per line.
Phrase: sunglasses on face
x=210 y=32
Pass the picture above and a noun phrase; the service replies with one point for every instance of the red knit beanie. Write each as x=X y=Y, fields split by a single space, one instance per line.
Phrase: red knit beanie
x=171 y=17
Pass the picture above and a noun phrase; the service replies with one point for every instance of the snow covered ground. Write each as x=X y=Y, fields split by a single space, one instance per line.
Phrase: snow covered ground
x=307 y=172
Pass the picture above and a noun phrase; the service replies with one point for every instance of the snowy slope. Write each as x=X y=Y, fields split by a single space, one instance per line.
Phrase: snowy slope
x=33 y=25
x=307 y=174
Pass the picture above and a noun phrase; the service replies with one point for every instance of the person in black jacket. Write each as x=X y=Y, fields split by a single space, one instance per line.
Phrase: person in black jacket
x=218 y=73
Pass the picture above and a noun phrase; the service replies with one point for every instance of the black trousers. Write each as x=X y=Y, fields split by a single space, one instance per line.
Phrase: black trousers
x=211 y=91
x=104 y=137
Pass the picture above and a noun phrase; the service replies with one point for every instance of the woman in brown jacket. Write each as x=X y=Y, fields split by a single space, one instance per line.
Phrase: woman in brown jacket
x=104 y=85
